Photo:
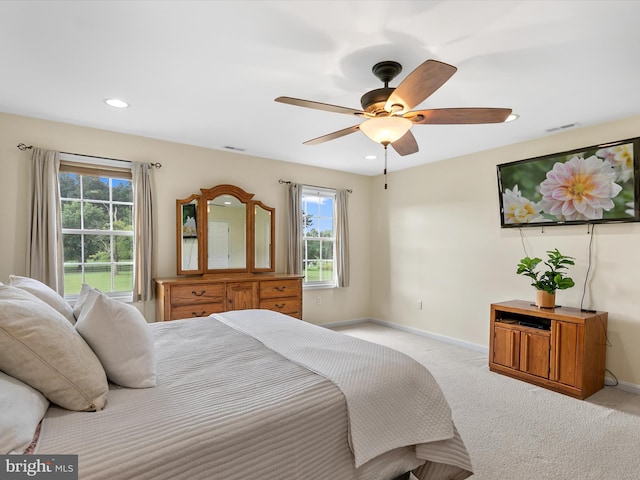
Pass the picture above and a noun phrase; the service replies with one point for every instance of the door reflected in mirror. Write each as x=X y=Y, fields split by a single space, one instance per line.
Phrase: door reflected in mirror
x=227 y=233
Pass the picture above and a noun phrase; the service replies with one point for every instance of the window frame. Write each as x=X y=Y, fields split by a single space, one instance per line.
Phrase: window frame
x=100 y=167
x=321 y=192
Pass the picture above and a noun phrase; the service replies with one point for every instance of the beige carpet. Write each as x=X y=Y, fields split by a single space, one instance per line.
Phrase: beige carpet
x=514 y=430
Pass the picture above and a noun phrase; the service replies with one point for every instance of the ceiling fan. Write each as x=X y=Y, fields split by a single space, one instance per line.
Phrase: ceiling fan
x=388 y=111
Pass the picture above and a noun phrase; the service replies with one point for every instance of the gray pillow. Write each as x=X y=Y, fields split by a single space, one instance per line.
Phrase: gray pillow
x=21 y=409
x=42 y=349
x=45 y=293
x=121 y=338
x=82 y=298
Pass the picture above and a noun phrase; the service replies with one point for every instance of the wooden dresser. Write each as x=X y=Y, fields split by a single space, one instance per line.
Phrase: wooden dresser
x=200 y=296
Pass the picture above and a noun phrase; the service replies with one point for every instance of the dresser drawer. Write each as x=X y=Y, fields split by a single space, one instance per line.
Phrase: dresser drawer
x=195 y=310
x=280 y=288
x=197 y=293
x=288 y=306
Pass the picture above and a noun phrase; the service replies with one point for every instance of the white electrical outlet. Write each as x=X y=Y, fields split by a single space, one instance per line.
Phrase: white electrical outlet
x=419 y=304
x=318 y=300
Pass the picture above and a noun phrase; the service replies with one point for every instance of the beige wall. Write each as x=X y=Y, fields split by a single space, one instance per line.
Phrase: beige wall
x=434 y=236
x=184 y=171
x=439 y=241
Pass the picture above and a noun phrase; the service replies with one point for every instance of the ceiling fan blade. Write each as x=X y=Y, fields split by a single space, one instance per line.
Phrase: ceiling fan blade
x=420 y=84
x=332 y=136
x=319 y=106
x=458 y=116
x=406 y=145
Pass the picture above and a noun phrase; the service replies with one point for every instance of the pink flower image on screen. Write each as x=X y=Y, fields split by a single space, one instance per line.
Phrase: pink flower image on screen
x=579 y=189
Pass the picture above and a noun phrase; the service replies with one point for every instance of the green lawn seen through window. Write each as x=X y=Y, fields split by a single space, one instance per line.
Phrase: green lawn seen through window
x=123 y=281
x=314 y=274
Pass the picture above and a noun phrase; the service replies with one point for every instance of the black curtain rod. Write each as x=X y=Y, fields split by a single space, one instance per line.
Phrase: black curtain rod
x=23 y=147
x=288 y=182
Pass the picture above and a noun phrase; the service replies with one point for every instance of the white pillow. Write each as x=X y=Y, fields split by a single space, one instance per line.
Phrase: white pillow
x=21 y=409
x=82 y=298
x=42 y=349
x=45 y=293
x=121 y=338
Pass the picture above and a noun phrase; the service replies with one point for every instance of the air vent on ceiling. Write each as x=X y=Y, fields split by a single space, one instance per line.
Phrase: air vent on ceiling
x=235 y=149
x=563 y=127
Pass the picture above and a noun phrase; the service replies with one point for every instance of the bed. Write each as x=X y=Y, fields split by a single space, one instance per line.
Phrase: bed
x=258 y=394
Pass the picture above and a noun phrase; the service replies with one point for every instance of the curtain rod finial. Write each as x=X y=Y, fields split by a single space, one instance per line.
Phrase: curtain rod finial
x=23 y=147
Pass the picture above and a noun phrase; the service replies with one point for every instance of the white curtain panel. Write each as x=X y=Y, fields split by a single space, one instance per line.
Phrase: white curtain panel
x=342 y=238
x=294 y=229
x=143 y=228
x=44 y=245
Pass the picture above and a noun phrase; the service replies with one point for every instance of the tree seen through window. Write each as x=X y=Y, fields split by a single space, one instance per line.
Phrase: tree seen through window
x=97 y=230
x=318 y=236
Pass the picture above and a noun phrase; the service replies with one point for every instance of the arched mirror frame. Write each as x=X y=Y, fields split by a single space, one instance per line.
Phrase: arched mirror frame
x=243 y=197
x=203 y=233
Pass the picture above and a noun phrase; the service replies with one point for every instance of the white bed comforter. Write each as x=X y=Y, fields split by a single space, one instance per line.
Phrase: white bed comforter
x=393 y=401
x=226 y=407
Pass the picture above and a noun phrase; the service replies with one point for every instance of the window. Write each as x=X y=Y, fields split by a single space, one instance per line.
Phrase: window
x=318 y=236
x=97 y=227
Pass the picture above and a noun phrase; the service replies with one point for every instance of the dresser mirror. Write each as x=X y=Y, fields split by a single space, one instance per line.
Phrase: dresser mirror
x=188 y=235
x=234 y=233
x=226 y=233
x=263 y=237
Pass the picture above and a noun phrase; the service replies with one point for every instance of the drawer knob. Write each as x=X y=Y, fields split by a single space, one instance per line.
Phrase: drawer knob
x=280 y=289
x=196 y=314
x=280 y=305
x=198 y=294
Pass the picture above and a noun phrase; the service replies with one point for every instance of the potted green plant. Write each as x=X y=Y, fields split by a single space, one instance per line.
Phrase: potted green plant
x=547 y=281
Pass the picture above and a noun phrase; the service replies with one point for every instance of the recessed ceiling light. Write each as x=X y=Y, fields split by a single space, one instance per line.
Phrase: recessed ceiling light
x=512 y=117
x=116 y=102
x=370 y=157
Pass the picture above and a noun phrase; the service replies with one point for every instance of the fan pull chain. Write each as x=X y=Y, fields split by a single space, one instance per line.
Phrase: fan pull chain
x=385 y=167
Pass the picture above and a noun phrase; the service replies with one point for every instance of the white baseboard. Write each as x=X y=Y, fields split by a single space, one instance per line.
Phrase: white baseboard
x=435 y=336
x=345 y=323
x=626 y=386
x=416 y=331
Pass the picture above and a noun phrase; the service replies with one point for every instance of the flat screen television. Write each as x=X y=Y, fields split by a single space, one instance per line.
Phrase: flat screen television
x=597 y=184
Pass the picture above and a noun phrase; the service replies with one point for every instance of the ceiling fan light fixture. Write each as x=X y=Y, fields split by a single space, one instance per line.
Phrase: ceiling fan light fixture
x=512 y=117
x=385 y=130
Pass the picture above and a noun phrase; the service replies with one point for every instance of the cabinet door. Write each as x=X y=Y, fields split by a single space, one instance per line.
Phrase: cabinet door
x=564 y=353
x=242 y=295
x=506 y=347
x=534 y=353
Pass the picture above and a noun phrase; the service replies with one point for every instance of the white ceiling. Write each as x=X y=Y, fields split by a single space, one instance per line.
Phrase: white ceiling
x=206 y=72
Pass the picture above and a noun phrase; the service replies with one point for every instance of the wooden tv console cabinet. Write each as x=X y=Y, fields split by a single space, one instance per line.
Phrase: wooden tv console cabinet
x=562 y=349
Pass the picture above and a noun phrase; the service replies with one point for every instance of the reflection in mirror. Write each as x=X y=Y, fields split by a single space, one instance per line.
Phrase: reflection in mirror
x=262 y=238
x=227 y=233
x=189 y=246
x=224 y=231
